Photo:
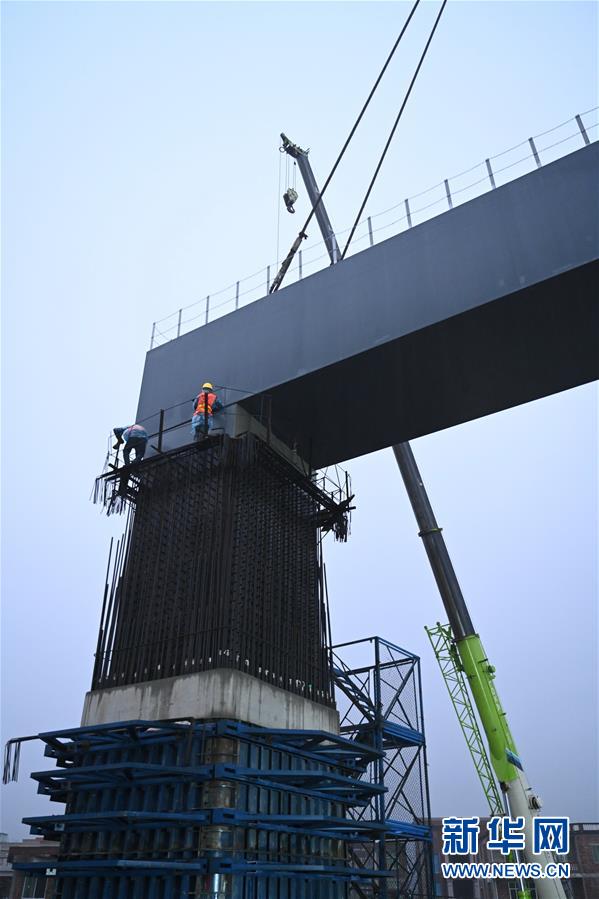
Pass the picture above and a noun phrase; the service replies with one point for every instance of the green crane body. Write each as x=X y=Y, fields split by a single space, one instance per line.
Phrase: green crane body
x=480 y=674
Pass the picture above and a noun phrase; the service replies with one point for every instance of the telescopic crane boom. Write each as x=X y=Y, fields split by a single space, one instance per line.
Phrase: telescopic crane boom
x=328 y=235
x=520 y=799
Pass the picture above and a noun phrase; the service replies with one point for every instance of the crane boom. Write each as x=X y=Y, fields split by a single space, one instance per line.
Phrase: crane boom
x=480 y=674
x=328 y=235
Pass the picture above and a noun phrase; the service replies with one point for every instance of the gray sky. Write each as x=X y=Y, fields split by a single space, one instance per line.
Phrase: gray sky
x=140 y=173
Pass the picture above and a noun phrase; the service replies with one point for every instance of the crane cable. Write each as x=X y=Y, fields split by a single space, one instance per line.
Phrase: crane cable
x=302 y=234
x=396 y=123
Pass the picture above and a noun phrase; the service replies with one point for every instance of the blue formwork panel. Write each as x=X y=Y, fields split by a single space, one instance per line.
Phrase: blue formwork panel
x=155 y=810
x=226 y=810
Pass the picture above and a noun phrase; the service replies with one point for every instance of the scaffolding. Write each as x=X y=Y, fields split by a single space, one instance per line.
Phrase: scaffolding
x=383 y=707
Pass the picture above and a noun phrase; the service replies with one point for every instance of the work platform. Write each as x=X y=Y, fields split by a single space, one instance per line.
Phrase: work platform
x=485 y=307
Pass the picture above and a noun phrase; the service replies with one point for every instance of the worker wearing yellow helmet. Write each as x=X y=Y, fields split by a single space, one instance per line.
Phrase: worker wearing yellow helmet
x=205 y=405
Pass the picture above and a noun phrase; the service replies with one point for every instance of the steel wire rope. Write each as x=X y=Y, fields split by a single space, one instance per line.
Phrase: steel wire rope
x=279 y=211
x=395 y=124
x=302 y=233
x=509 y=150
x=217 y=293
x=162 y=333
x=166 y=331
x=479 y=181
x=566 y=122
x=563 y=140
x=473 y=183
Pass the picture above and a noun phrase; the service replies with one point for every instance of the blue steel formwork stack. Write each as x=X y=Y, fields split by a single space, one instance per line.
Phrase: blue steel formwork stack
x=201 y=809
x=204 y=805
x=224 y=810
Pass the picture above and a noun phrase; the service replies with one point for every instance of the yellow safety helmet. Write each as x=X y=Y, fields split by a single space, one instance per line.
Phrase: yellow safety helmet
x=207 y=385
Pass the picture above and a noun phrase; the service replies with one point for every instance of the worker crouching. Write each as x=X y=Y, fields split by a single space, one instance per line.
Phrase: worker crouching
x=205 y=405
x=135 y=438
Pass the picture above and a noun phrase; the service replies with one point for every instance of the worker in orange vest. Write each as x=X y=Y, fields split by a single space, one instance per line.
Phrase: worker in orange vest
x=205 y=405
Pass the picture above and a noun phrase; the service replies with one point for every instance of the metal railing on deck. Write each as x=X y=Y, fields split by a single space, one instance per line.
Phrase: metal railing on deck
x=489 y=174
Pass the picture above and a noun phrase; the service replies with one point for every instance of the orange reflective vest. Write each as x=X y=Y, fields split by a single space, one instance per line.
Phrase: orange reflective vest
x=205 y=399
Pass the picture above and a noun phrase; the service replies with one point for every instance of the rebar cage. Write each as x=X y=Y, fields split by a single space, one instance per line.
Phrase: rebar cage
x=220 y=566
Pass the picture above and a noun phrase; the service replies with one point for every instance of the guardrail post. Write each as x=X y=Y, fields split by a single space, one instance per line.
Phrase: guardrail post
x=207 y=308
x=583 y=130
x=447 y=191
x=408 y=216
x=490 y=173
x=370 y=231
x=179 y=323
x=152 y=337
x=237 y=295
x=299 y=263
x=534 y=152
x=267 y=278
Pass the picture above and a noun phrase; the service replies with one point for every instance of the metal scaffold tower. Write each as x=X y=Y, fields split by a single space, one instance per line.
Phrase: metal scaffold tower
x=381 y=704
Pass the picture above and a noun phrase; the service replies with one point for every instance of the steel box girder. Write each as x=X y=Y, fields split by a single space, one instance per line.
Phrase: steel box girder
x=485 y=307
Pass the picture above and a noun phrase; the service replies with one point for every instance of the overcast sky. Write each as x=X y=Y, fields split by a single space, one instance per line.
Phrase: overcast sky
x=140 y=172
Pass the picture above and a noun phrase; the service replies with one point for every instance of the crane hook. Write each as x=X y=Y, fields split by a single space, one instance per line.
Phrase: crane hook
x=290 y=197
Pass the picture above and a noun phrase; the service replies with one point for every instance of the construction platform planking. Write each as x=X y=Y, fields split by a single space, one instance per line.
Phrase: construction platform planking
x=490 y=305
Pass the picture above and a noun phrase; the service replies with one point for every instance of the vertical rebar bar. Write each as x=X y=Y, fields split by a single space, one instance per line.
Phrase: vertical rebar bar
x=160 y=430
x=370 y=235
x=408 y=214
x=490 y=173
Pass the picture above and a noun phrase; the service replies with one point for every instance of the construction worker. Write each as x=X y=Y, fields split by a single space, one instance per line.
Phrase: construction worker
x=205 y=405
x=135 y=438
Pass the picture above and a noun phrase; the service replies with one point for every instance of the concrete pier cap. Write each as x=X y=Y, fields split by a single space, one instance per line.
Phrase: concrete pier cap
x=219 y=693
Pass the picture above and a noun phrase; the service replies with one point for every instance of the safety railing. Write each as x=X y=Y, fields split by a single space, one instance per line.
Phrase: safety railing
x=171 y=428
x=532 y=153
